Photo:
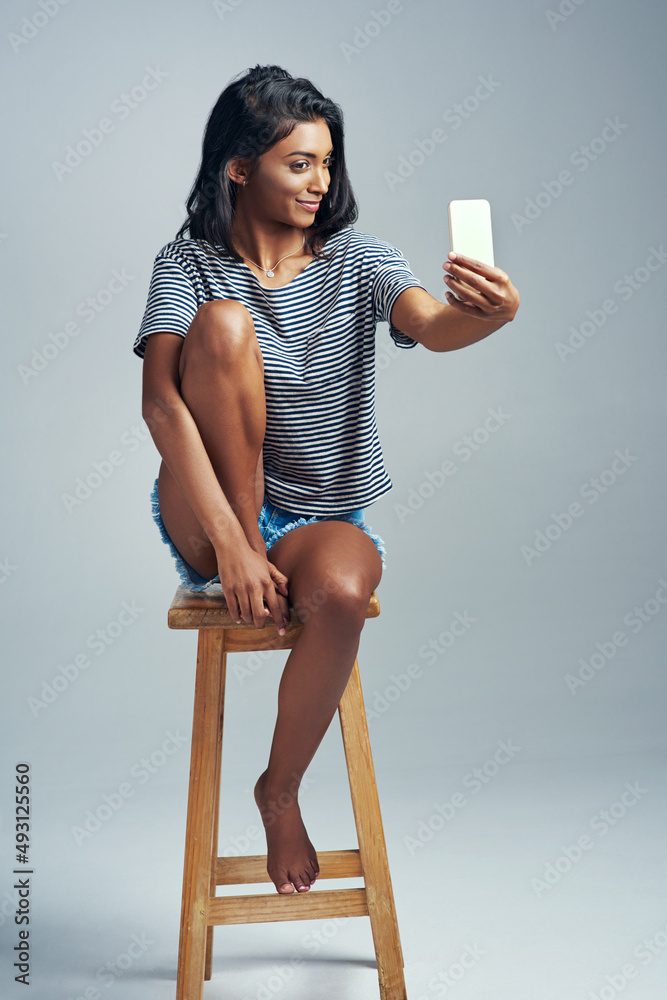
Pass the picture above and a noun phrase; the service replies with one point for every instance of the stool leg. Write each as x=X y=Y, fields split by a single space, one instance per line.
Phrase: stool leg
x=370 y=833
x=209 y=695
x=216 y=817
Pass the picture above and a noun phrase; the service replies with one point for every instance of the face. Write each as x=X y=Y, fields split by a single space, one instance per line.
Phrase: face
x=292 y=177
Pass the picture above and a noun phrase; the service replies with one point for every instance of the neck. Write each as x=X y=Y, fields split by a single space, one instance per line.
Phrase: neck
x=265 y=245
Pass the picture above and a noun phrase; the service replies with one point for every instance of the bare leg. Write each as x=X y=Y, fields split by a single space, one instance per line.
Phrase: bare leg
x=222 y=383
x=334 y=567
x=221 y=374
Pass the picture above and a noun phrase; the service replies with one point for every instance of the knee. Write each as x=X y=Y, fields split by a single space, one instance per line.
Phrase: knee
x=222 y=330
x=338 y=598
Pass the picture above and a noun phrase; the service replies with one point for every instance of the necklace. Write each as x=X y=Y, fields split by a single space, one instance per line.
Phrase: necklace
x=271 y=271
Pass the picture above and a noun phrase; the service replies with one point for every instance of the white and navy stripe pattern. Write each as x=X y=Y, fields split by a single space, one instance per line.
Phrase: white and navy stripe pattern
x=322 y=453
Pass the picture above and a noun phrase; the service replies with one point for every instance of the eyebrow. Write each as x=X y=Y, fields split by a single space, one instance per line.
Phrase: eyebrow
x=300 y=152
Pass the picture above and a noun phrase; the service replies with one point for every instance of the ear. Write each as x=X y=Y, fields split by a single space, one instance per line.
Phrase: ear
x=238 y=170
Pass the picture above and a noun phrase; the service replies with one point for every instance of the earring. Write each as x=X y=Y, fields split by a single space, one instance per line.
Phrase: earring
x=244 y=184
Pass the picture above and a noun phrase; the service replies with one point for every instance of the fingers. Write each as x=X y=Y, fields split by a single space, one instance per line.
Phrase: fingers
x=259 y=612
x=281 y=584
x=279 y=579
x=232 y=606
x=281 y=597
x=257 y=604
x=470 y=264
x=255 y=589
x=488 y=295
x=474 y=285
x=470 y=298
x=279 y=614
x=251 y=606
x=246 y=605
x=464 y=307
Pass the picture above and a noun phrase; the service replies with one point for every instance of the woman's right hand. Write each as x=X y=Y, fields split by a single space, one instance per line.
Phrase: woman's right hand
x=249 y=581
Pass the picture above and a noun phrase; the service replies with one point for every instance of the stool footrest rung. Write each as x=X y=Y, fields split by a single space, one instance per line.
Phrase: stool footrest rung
x=251 y=868
x=263 y=908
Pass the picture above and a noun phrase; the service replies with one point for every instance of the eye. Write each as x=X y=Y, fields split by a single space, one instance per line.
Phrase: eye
x=304 y=163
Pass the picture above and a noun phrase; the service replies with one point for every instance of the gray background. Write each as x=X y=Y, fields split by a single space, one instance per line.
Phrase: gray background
x=469 y=882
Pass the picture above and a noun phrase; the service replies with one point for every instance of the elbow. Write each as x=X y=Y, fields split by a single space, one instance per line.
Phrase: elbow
x=431 y=330
x=436 y=344
x=438 y=347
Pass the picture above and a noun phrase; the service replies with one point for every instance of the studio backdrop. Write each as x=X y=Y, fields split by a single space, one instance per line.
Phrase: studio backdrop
x=518 y=661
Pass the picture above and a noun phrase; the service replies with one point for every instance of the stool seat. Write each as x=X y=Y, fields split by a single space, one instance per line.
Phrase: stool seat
x=201 y=909
x=208 y=609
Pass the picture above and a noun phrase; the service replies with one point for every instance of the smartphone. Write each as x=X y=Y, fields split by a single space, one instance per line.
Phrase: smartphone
x=470 y=228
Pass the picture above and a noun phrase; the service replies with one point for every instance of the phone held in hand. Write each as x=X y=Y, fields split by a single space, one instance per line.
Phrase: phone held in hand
x=470 y=229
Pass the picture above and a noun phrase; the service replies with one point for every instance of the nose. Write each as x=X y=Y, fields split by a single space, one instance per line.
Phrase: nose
x=319 y=180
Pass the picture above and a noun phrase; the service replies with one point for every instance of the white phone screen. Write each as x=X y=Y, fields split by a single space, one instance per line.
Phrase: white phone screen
x=470 y=228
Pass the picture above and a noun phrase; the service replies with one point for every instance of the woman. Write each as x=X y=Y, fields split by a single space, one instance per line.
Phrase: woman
x=258 y=341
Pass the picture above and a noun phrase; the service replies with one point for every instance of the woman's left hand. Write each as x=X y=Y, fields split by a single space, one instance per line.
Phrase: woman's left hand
x=485 y=292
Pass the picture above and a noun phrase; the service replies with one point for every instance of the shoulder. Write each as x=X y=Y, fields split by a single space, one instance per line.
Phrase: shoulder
x=197 y=261
x=362 y=248
x=363 y=241
x=188 y=251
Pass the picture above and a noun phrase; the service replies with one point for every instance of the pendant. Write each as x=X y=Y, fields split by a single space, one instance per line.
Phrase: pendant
x=269 y=274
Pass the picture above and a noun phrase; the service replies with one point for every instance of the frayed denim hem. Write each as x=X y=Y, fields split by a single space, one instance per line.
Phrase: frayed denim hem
x=184 y=572
x=298 y=522
x=378 y=541
x=193 y=580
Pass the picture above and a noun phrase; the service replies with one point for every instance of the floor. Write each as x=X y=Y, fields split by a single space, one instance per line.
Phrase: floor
x=528 y=879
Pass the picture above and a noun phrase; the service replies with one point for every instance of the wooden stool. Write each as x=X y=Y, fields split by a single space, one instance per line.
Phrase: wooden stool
x=201 y=909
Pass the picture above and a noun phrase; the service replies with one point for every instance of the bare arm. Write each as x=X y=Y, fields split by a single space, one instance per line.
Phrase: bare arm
x=177 y=438
x=489 y=300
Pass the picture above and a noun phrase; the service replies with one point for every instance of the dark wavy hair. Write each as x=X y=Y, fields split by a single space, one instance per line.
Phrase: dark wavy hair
x=251 y=115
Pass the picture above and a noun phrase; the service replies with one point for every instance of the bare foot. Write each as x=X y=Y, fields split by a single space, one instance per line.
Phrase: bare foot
x=291 y=859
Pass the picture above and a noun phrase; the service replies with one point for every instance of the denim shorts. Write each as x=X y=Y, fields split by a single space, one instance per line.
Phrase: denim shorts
x=273 y=524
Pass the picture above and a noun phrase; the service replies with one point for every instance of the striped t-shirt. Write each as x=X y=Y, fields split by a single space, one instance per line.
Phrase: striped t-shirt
x=322 y=453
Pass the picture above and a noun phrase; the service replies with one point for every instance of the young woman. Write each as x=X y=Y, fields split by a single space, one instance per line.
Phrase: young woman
x=258 y=346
